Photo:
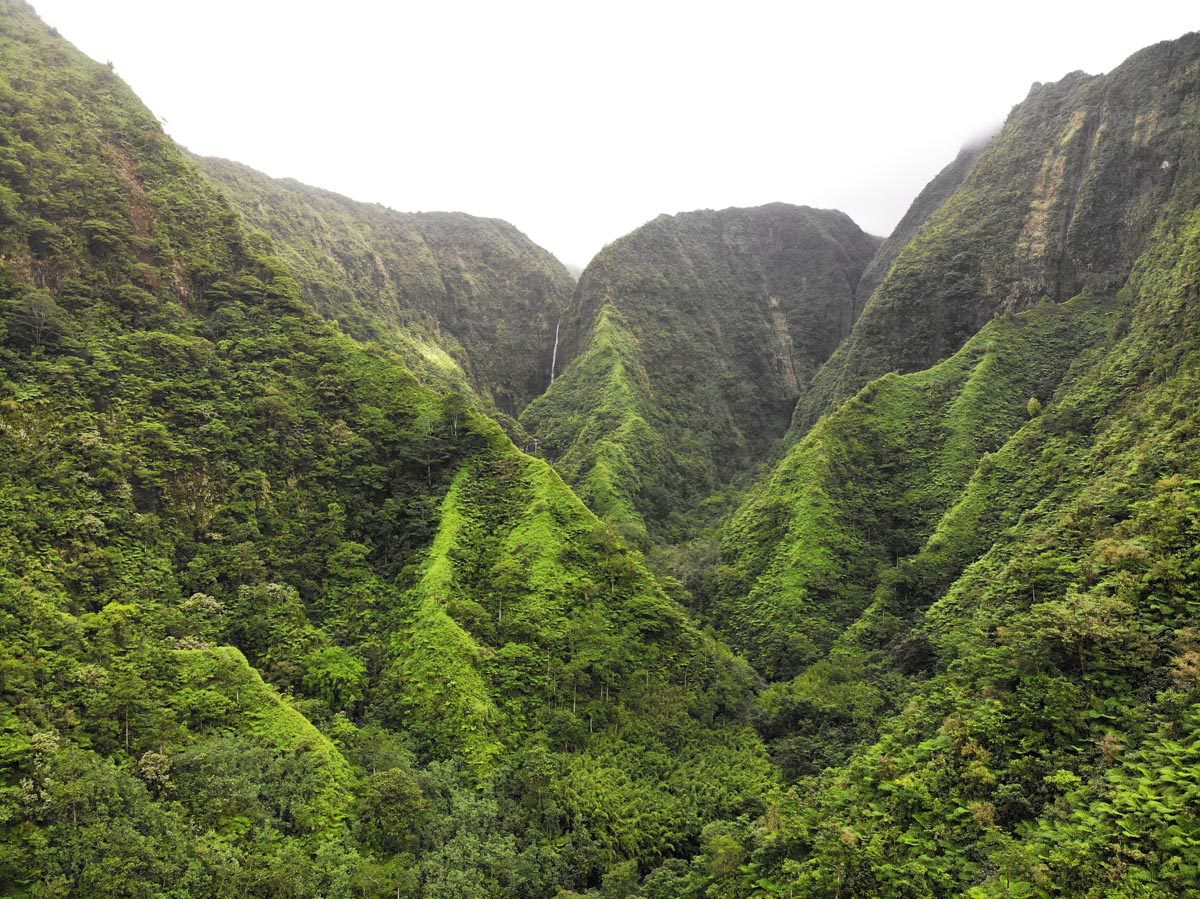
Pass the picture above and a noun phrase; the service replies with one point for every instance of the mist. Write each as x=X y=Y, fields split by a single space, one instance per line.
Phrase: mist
x=578 y=122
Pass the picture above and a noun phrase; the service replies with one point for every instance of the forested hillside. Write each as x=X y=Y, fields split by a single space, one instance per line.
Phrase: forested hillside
x=464 y=301
x=1016 y=710
x=975 y=586
x=684 y=351
x=284 y=612
x=278 y=620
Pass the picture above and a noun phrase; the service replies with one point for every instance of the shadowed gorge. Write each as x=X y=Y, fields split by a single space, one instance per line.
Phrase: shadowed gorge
x=285 y=611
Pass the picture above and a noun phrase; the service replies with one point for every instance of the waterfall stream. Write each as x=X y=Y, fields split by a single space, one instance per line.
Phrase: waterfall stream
x=554 y=355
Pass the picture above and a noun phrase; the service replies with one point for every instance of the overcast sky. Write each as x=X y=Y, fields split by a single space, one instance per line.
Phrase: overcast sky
x=579 y=121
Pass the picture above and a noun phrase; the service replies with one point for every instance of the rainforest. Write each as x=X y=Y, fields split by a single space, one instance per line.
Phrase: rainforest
x=350 y=552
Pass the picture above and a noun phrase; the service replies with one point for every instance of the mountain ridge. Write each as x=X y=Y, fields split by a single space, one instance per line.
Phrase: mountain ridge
x=1063 y=197
x=283 y=615
x=468 y=302
x=685 y=348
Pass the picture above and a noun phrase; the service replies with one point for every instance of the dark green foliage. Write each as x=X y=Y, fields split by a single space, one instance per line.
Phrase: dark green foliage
x=276 y=619
x=684 y=352
x=929 y=201
x=463 y=300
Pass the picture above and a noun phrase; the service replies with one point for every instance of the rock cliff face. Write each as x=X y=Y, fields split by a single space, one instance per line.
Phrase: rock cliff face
x=685 y=349
x=1063 y=197
x=462 y=299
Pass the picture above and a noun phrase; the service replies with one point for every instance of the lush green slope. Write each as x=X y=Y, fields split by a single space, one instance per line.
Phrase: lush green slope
x=278 y=618
x=460 y=298
x=977 y=588
x=685 y=349
x=1038 y=653
x=275 y=618
x=1063 y=198
x=867 y=486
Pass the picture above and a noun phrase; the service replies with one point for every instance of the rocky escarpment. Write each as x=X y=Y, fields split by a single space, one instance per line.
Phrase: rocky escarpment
x=1063 y=198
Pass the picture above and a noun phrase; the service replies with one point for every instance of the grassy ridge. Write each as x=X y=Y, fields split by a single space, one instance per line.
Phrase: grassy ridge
x=279 y=619
x=868 y=485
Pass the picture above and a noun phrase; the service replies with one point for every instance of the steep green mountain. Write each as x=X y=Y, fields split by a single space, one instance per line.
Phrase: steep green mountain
x=1016 y=712
x=685 y=349
x=282 y=616
x=276 y=619
x=868 y=484
x=1063 y=198
x=463 y=300
x=976 y=587
x=929 y=201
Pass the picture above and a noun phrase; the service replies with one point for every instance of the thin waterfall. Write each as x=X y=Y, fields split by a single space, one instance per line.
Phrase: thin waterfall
x=554 y=355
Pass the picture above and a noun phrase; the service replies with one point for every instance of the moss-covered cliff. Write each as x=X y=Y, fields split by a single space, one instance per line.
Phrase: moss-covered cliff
x=685 y=349
x=1063 y=198
x=1014 y=713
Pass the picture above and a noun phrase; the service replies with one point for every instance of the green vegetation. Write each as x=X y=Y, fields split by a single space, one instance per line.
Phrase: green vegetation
x=685 y=350
x=868 y=485
x=285 y=613
x=450 y=678
x=463 y=300
x=1026 y=681
x=929 y=201
x=596 y=411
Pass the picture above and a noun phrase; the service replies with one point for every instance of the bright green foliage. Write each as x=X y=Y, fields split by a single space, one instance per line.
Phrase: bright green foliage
x=866 y=487
x=336 y=676
x=685 y=350
x=463 y=300
x=534 y=623
x=597 y=412
x=987 y=571
x=220 y=677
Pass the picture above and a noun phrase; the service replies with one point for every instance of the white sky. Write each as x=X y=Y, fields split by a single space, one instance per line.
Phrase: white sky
x=579 y=121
